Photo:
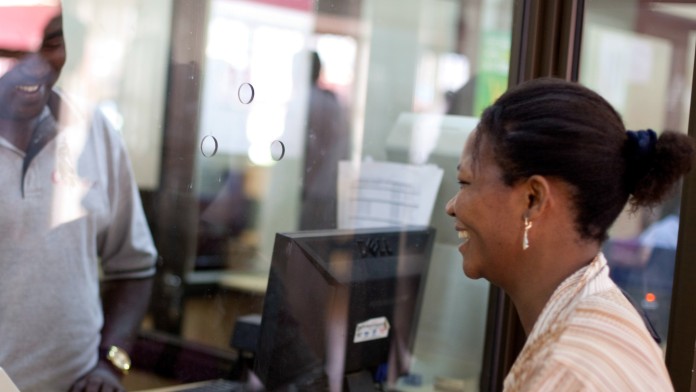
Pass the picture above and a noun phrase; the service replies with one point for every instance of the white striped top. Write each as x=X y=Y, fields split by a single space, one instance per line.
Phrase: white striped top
x=589 y=338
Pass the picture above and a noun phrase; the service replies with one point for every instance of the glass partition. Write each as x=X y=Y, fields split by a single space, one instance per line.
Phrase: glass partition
x=639 y=55
x=247 y=118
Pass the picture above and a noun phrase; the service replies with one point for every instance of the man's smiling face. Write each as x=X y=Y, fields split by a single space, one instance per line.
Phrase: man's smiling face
x=30 y=63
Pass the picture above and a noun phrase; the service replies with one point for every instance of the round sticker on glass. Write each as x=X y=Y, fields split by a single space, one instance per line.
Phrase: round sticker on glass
x=277 y=150
x=209 y=146
x=245 y=93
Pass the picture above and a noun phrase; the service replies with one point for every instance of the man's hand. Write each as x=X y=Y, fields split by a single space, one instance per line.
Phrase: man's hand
x=100 y=379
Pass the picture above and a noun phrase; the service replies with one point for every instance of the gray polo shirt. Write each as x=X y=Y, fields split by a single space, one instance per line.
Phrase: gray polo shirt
x=74 y=217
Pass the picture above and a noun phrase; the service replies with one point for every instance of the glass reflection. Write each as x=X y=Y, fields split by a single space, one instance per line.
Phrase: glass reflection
x=640 y=57
x=76 y=250
x=395 y=82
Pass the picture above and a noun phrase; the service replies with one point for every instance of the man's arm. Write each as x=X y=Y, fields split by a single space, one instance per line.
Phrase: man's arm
x=128 y=261
x=125 y=303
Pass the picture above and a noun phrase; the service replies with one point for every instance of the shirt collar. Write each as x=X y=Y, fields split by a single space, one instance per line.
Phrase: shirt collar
x=582 y=281
x=45 y=130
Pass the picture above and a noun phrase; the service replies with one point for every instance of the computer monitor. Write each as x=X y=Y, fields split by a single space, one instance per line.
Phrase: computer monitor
x=341 y=307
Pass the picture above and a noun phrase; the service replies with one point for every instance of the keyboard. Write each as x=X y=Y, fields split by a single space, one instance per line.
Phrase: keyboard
x=218 y=386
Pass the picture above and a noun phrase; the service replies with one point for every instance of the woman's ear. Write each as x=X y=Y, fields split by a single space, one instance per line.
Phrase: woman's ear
x=538 y=193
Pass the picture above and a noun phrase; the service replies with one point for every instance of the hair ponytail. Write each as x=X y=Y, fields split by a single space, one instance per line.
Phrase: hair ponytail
x=562 y=129
x=654 y=174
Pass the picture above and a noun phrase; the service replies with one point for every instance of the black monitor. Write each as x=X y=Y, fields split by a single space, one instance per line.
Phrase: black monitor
x=342 y=307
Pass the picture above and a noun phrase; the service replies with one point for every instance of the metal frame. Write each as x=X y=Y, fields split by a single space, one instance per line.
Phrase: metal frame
x=682 y=322
x=176 y=211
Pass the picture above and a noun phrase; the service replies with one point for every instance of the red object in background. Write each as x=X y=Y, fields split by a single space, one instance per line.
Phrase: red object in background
x=650 y=297
x=22 y=28
x=301 y=5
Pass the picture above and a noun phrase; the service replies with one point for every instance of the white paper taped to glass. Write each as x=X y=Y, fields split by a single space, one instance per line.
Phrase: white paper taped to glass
x=6 y=384
x=383 y=194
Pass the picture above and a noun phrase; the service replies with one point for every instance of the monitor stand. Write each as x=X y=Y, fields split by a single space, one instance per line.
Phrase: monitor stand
x=359 y=381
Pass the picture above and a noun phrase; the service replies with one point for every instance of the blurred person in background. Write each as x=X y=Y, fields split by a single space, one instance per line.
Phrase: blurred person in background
x=327 y=143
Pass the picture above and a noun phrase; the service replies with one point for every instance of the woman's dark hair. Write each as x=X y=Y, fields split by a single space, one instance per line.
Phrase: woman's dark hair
x=561 y=129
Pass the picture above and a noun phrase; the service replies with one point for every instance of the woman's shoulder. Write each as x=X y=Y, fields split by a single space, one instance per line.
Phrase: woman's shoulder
x=610 y=319
x=606 y=341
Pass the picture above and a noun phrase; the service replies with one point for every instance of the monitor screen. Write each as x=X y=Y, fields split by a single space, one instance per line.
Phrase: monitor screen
x=342 y=307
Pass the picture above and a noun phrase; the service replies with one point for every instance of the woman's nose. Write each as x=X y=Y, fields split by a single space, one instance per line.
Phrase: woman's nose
x=449 y=208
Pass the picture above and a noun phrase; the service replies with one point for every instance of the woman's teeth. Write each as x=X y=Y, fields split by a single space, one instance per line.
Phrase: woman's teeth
x=463 y=235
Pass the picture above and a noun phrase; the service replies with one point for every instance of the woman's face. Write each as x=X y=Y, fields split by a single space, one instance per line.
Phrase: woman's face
x=489 y=216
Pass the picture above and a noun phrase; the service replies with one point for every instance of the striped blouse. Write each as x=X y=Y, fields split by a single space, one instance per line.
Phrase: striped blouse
x=589 y=338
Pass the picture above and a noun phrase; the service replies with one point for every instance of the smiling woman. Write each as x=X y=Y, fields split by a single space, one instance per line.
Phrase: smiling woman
x=483 y=207
x=547 y=171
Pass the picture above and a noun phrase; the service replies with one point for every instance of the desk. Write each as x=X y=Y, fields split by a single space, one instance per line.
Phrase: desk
x=442 y=385
x=210 y=319
x=246 y=282
x=175 y=388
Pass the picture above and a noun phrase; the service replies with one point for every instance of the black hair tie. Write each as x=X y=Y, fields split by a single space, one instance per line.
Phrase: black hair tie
x=643 y=142
x=640 y=149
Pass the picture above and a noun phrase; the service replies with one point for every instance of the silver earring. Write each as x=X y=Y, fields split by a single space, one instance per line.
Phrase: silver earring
x=525 y=240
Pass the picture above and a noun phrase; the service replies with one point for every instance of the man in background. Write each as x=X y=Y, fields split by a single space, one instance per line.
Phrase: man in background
x=327 y=143
x=76 y=254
